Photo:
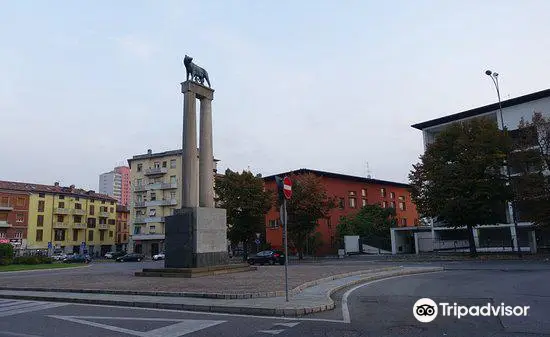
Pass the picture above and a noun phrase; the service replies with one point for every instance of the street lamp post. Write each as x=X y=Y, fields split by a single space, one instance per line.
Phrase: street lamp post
x=494 y=77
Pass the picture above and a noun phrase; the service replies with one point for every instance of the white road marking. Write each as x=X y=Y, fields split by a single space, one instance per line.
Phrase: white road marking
x=15 y=334
x=272 y=332
x=14 y=307
x=180 y=328
x=290 y=324
x=345 y=309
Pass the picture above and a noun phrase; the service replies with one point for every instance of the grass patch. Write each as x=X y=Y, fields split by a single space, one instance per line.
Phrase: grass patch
x=18 y=267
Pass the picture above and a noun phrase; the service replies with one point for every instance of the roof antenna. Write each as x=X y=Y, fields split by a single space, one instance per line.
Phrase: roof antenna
x=368 y=171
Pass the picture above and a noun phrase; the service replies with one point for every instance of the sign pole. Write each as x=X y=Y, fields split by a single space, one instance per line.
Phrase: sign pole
x=286 y=249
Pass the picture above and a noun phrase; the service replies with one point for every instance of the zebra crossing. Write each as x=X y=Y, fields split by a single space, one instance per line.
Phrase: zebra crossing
x=14 y=307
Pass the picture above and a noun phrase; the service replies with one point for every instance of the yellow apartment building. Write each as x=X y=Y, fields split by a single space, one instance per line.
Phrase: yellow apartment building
x=155 y=180
x=68 y=219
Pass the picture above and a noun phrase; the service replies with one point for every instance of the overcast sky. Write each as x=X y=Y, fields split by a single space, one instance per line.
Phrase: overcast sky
x=327 y=85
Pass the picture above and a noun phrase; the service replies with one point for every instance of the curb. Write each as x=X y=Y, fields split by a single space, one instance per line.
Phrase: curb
x=244 y=310
x=226 y=296
x=35 y=270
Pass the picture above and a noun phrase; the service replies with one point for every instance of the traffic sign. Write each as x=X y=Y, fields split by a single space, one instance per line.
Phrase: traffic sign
x=287 y=187
x=49 y=245
x=257 y=241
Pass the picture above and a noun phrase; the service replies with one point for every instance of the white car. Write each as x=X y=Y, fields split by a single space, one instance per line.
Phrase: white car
x=159 y=256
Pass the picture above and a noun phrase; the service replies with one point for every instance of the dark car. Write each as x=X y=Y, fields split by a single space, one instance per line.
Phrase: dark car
x=267 y=256
x=131 y=257
x=114 y=255
x=78 y=258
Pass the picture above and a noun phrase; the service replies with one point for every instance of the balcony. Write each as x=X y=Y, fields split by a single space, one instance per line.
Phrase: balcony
x=164 y=202
x=62 y=211
x=79 y=211
x=139 y=203
x=140 y=188
x=143 y=237
x=60 y=225
x=156 y=171
x=79 y=225
x=162 y=186
x=4 y=224
x=103 y=214
x=149 y=219
x=5 y=206
x=103 y=226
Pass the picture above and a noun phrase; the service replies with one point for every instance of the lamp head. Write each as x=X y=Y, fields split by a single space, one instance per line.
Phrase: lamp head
x=488 y=72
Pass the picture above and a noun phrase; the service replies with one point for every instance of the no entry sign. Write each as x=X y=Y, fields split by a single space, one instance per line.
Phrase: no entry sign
x=287 y=187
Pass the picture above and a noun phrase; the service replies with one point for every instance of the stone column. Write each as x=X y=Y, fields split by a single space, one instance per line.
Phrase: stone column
x=189 y=197
x=206 y=155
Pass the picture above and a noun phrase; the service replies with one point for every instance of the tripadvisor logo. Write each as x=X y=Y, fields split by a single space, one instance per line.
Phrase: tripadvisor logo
x=426 y=310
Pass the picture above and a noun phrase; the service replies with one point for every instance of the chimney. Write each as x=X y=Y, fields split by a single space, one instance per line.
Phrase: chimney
x=71 y=187
x=149 y=151
x=56 y=184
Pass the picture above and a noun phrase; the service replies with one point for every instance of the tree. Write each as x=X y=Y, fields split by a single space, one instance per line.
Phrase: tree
x=308 y=204
x=371 y=222
x=460 y=179
x=246 y=201
x=531 y=159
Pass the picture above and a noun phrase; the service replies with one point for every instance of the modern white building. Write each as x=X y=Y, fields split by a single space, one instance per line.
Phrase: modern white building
x=116 y=184
x=502 y=236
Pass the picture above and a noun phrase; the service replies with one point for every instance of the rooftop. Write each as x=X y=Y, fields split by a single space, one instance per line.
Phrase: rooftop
x=150 y=155
x=484 y=109
x=339 y=176
x=52 y=189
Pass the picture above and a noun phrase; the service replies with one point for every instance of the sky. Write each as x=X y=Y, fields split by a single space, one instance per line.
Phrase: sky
x=326 y=85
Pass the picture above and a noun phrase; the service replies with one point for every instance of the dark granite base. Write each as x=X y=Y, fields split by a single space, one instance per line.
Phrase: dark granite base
x=196 y=272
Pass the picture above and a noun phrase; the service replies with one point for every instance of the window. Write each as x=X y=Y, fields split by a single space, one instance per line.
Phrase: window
x=41 y=195
x=364 y=202
x=402 y=206
x=152 y=212
x=153 y=196
x=90 y=235
x=75 y=234
x=61 y=197
x=273 y=224
x=352 y=193
x=156 y=164
x=384 y=204
x=139 y=166
x=152 y=229
x=103 y=202
x=61 y=204
x=92 y=200
x=77 y=218
x=173 y=180
x=112 y=203
x=112 y=209
x=363 y=192
x=60 y=218
x=5 y=201
x=341 y=203
x=352 y=202
x=172 y=163
x=2 y=234
x=111 y=221
x=402 y=198
x=77 y=199
x=92 y=209
x=40 y=220
x=125 y=237
x=78 y=206
x=3 y=216
x=164 y=164
x=392 y=195
x=19 y=217
x=172 y=195
x=59 y=235
x=404 y=221
x=39 y=234
x=139 y=182
x=110 y=234
x=102 y=221
x=91 y=222
x=18 y=235
x=101 y=235
x=20 y=201
x=383 y=192
x=125 y=226
x=137 y=230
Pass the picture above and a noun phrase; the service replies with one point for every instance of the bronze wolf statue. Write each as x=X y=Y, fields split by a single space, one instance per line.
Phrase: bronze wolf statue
x=197 y=73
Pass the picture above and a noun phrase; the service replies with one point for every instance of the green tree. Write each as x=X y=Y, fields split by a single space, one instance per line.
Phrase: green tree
x=371 y=221
x=6 y=254
x=530 y=160
x=308 y=204
x=460 y=180
x=246 y=201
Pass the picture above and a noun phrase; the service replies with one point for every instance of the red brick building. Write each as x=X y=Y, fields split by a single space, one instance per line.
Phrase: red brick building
x=14 y=217
x=351 y=193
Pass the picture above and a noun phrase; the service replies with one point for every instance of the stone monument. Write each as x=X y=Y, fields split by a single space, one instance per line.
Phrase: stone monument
x=196 y=235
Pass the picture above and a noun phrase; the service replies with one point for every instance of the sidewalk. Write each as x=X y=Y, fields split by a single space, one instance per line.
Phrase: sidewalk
x=313 y=297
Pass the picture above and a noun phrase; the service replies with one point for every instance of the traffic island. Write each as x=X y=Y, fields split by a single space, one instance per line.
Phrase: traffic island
x=195 y=272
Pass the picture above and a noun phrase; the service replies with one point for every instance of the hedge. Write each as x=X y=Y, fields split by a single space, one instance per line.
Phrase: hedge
x=6 y=254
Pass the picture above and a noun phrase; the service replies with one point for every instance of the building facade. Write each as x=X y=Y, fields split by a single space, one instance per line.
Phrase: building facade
x=351 y=193
x=14 y=217
x=503 y=235
x=121 y=234
x=156 y=185
x=116 y=184
x=66 y=218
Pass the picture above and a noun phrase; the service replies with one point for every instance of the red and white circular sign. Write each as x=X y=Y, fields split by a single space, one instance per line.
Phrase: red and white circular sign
x=287 y=187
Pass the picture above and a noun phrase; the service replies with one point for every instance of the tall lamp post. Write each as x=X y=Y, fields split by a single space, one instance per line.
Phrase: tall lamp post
x=494 y=77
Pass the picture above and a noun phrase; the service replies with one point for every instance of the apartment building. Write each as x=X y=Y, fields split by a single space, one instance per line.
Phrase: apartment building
x=122 y=226
x=65 y=218
x=156 y=192
x=116 y=184
x=14 y=217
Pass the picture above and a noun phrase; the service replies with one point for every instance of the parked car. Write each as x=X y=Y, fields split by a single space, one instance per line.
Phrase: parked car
x=114 y=255
x=78 y=258
x=131 y=257
x=159 y=256
x=267 y=256
x=59 y=257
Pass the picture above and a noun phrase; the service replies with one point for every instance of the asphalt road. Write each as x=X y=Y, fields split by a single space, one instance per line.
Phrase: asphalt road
x=383 y=308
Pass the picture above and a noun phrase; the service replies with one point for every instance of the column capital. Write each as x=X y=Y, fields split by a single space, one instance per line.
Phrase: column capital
x=199 y=90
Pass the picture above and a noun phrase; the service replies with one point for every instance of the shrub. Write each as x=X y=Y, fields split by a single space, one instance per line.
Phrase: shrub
x=6 y=253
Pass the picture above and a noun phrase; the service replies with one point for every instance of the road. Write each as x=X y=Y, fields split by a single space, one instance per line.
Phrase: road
x=382 y=308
